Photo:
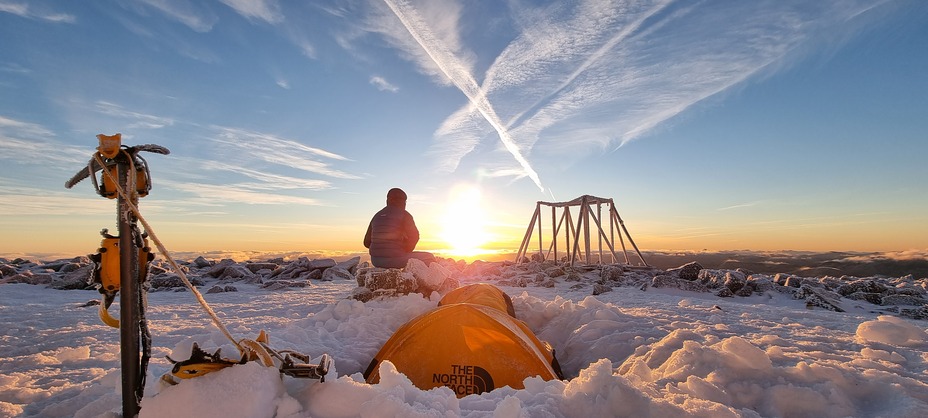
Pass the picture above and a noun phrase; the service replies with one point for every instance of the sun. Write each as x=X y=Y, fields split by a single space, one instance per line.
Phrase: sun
x=463 y=226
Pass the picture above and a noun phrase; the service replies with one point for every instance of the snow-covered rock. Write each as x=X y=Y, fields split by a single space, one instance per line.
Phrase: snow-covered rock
x=336 y=273
x=688 y=271
x=402 y=282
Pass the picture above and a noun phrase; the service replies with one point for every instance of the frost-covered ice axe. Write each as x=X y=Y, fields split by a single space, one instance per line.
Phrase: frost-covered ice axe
x=124 y=169
x=126 y=177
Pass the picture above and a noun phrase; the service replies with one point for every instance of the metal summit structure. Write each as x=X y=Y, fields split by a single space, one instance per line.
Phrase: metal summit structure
x=589 y=214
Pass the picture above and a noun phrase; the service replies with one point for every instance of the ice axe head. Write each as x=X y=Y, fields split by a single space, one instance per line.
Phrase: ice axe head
x=109 y=145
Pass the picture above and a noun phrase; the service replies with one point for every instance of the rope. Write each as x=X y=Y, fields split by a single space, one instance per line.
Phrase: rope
x=167 y=256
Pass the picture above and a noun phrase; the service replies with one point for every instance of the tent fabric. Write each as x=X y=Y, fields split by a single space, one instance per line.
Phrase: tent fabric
x=481 y=294
x=468 y=347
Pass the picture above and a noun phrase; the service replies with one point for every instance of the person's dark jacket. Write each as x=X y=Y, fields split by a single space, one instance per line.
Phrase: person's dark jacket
x=391 y=233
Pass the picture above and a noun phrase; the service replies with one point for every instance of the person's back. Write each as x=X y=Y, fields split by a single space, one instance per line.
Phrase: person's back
x=392 y=234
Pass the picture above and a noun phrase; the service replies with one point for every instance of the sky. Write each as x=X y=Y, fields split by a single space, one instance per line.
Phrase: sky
x=714 y=125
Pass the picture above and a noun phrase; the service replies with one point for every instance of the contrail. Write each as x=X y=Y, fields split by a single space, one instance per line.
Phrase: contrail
x=595 y=56
x=458 y=74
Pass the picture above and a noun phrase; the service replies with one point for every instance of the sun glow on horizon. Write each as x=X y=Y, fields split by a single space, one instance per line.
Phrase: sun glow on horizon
x=463 y=225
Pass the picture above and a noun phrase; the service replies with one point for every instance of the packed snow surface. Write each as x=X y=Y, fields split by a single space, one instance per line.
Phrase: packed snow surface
x=631 y=351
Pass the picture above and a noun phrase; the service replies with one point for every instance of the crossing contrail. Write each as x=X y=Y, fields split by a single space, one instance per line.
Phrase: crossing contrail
x=459 y=75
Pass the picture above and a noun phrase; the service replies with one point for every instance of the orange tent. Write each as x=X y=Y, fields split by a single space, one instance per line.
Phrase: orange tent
x=471 y=343
x=480 y=294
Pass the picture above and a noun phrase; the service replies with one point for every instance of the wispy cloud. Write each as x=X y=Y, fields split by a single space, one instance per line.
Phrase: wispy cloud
x=17 y=199
x=25 y=10
x=15 y=69
x=29 y=142
x=265 y=10
x=582 y=76
x=186 y=13
x=383 y=85
x=23 y=128
x=137 y=119
x=437 y=20
x=740 y=206
x=457 y=71
x=305 y=46
x=261 y=165
x=284 y=152
x=268 y=181
x=229 y=193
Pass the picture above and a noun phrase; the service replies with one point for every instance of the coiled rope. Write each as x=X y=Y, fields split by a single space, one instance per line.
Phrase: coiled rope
x=164 y=252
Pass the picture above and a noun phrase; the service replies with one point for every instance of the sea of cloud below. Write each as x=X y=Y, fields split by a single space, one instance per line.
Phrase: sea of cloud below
x=627 y=352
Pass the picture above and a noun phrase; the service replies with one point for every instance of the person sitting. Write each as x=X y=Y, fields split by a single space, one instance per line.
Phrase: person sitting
x=392 y=234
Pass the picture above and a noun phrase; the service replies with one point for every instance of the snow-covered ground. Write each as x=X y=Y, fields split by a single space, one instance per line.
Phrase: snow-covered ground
x=630 y=351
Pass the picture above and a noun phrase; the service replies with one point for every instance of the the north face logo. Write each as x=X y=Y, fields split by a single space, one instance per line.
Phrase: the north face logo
x=465 y=380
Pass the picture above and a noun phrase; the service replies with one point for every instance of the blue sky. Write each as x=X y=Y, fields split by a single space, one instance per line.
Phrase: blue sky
x=714 y=125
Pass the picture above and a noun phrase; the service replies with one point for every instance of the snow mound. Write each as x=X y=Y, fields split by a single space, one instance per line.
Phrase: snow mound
x=244 y=390
x=634 y=350
x=893 y=331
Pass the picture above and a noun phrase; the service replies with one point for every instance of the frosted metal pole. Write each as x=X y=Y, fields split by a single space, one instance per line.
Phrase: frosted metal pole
x=599 y=215
x=554 y=230
x=527 y=238
x=602 y=235
x=615 y=218
x=612 y=230
x=586 y=228
x=538 y=211
x=567 y=232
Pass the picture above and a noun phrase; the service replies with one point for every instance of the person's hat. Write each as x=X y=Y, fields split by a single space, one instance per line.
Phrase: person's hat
x=396 y=195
